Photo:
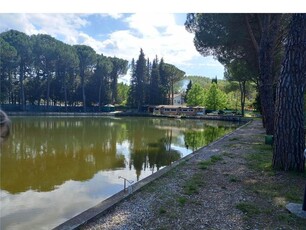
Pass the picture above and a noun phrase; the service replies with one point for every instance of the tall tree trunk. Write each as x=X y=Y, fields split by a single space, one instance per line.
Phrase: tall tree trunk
x=289 y=136
x=266 y=56
x=83 y=89
x=48 y=90
x=242 y=96
x=65 y=91
x=114 y=94
x=100 y=89
x=172 y=91
x=22 y=97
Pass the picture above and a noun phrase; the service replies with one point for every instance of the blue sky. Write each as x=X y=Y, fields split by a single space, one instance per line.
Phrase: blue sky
x=122 y=35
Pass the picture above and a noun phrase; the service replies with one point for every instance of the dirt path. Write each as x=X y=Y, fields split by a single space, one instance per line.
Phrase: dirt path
x=216 y=189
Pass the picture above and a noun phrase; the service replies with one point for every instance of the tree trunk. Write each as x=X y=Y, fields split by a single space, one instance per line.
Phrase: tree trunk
x=289 y=136
x=100 y=88
x=83 y=89
x=22 y=97
x=242 y=96
x=114 y=94
x=172 y=92
x=266 y=57
x=65 y=95
x=48 y=90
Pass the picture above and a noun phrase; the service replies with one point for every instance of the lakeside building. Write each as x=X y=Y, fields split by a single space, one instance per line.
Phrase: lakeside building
x=178 y=110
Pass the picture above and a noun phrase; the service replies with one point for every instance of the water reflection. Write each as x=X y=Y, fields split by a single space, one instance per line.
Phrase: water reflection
x=46 y=158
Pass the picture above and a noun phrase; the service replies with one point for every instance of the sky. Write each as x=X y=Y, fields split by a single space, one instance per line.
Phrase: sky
x=155 y=26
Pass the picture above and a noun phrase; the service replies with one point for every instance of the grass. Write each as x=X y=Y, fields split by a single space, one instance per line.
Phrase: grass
x=273 y=189
x=270 y=190
x=213 y=159
x=162 y=210
x=234 y=139
x=230 y=155
x=182 y=201
x=248 y=208
x=192 y=185
x=262 y=159
x=234 y=179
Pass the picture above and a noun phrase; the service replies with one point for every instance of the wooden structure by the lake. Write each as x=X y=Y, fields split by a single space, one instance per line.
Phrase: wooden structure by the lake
x=174 y=110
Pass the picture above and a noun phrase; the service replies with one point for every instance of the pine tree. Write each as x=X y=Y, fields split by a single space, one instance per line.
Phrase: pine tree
x=155 y=86
x=164 y=83
x=140 y=77
x=132 y=91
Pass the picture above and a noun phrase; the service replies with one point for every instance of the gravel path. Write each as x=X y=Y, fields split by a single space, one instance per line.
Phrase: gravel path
x=194 y=195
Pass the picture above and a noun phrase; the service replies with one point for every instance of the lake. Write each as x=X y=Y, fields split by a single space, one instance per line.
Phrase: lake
x=53 y=168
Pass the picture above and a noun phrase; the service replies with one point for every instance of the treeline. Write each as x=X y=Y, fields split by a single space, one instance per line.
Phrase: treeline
x=152 y=83
x=39 y=69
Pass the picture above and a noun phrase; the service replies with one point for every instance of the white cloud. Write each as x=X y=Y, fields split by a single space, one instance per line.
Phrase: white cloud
x=156 y=34
x=62 y=26
x=113 y=15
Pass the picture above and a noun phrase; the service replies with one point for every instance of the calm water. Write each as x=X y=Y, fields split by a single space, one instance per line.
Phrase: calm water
x=53 y=168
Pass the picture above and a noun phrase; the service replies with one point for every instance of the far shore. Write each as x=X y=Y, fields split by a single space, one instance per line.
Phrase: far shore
x=235 y=118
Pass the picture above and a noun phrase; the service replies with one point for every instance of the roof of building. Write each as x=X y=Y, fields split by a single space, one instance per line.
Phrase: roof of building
x=177 y=106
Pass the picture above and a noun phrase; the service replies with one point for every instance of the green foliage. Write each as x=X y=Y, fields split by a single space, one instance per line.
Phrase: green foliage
x=155 y=97
x=202 y=81
x=215 y=159
x=240 y=71
x=182 y=200
x=215 y=98
x=139 y=81
x=189 y=86
x=262 y=160
x=39 y=68
x=152 y=83
x=123 y=91
x=119 y=68
x=23 y=45
x=192 y=185
x=205 y=164
x=162 y=211
x=195 y=96
x=250 y=209
x=8 y=62
x=87 y=57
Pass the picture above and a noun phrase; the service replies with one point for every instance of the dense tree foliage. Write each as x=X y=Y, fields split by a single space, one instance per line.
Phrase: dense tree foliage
x=174 y=75
x=87 y=57
x=152 y=83
x=238 y=71
x=8 y=64
x=188 y=87
x=254 y=38
x=139 y=81
x=196 y=95
x=23 y=45
x=40 y=69
x=257 y=41
x=215 y=98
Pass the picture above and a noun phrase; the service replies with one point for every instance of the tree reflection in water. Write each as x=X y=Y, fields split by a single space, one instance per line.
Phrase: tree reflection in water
x=44 y=152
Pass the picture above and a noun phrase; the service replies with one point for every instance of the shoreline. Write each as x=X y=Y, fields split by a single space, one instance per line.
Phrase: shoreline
x=125 y=114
